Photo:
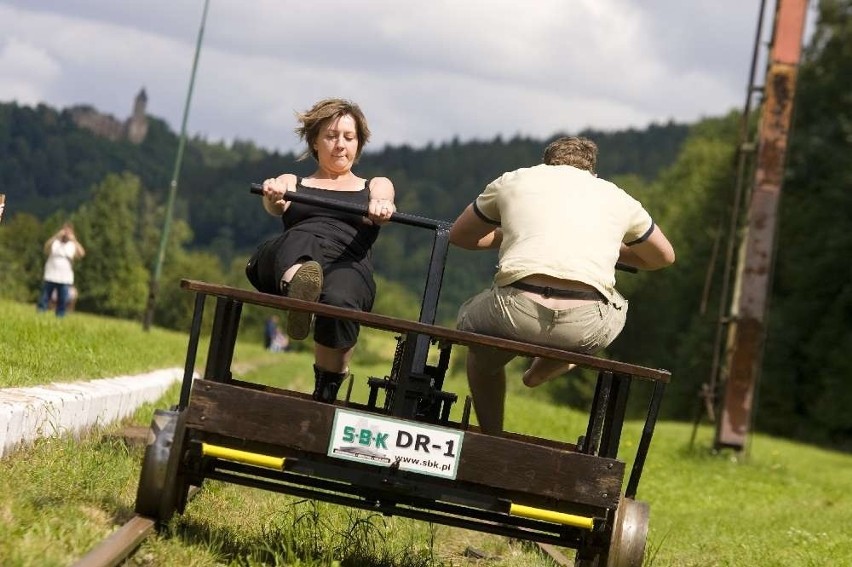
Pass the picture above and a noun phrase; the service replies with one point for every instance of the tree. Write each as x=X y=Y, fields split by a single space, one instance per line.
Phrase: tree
x=112 y=278
x=691 y=201
x=21 y=257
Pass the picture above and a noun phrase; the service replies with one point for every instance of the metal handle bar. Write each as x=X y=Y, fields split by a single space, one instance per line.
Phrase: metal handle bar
x=402 y=218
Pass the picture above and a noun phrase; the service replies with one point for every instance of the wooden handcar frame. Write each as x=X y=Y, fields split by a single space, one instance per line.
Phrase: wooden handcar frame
x=571 y=494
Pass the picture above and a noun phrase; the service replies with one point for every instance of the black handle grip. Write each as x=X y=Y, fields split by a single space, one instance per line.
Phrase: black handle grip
x=626 y=268
x=402 y=218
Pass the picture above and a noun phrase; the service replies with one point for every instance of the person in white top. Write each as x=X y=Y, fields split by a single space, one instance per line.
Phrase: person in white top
x=560 y=231
x=62 y=249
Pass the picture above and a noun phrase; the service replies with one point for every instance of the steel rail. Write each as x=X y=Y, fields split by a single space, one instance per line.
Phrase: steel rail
x=123 y=542
x=120 y=544
x=555 y=554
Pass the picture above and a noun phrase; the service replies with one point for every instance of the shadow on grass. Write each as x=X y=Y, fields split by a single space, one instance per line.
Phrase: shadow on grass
x=303 y=535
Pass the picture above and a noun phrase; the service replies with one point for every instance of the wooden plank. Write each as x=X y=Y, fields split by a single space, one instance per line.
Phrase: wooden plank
x=561 y=445
x=454 y=336
x=486 y=462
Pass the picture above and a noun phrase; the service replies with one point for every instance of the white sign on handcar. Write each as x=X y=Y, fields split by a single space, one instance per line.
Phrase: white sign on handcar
x=383 y=441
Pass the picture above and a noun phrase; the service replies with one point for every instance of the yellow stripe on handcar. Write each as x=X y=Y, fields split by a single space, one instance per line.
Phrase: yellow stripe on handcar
x=551 y=516
x=246 y=457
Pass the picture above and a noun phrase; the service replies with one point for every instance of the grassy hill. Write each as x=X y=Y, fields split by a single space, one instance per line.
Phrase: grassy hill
x=781 y=504
x=41 y=348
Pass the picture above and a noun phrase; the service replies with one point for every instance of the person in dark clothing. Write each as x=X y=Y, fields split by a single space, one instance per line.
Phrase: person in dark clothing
x=270 y=328
x=274 y=338
x=325 y=255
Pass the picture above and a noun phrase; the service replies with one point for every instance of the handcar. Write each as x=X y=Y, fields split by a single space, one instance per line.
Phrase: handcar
x=399 y=452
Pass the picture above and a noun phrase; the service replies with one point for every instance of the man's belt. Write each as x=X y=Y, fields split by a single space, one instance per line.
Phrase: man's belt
x=547 y=291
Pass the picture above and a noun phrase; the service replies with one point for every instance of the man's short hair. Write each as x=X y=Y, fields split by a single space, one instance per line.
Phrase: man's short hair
x=578 y=152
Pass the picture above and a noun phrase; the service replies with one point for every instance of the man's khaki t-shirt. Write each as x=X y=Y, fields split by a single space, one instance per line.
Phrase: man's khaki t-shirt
x=561 y=221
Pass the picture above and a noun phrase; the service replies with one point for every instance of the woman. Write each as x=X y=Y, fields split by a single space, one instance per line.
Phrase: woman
x=62 y=249
x=324 y=255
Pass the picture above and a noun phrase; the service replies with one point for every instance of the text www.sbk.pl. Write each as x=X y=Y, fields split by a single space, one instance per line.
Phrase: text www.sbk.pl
x=432 y=464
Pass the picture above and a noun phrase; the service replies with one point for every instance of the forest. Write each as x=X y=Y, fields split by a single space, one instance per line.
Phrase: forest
x=115 y=194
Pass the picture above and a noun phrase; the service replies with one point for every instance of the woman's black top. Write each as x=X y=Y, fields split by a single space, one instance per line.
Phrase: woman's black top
x=349 y=234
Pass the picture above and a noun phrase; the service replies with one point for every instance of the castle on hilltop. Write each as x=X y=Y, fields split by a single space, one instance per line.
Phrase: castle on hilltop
x=134 y=129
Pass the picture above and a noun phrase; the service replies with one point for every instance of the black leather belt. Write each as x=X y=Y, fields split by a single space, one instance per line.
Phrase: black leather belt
x=547 y=291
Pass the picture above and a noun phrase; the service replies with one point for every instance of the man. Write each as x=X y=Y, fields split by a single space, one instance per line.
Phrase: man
x=560 y=231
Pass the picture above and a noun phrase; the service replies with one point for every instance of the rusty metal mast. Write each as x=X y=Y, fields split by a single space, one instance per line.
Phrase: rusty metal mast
x=746 y=324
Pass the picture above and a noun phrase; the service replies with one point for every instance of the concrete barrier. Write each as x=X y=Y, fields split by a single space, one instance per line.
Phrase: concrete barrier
x=34 y=412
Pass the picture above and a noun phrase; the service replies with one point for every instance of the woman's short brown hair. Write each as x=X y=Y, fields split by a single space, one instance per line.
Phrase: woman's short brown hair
x=313 y=120
x=581 y=153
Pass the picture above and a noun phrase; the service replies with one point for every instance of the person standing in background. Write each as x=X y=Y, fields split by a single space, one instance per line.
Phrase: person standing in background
x=270 y=329
x=62 y=250
x=275 y=339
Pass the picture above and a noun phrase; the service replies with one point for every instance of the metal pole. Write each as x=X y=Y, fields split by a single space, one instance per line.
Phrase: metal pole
x=164 y=237
x=747 y=327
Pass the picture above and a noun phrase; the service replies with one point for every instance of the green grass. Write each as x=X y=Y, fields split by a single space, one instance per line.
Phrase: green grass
x=40 y=348
x=781 y=505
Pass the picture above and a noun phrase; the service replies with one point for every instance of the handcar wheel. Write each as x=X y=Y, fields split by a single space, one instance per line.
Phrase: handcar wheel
x=627 y=542
x=156 y=493
x=629 y=533
x=175 y=489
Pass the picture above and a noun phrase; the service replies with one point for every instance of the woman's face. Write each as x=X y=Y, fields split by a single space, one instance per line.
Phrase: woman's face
x=337 y=144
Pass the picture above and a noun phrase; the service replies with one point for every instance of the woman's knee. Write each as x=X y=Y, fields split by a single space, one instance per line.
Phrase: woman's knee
x=350 y=299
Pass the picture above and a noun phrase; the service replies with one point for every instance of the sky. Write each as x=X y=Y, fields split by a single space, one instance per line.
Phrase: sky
x=422 y=71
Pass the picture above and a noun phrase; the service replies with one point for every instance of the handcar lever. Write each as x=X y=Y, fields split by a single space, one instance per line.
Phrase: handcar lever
x=402 y=218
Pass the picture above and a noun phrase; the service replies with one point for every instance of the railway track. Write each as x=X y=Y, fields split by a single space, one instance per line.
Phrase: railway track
x=555 y=554
x=120 y=544
x=123 y=542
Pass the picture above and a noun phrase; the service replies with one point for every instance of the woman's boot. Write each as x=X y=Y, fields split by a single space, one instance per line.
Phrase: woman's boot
x=327 y=384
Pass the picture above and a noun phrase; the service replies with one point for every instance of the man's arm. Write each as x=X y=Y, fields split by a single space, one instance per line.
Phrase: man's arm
x=653 y=253
x=472 y=233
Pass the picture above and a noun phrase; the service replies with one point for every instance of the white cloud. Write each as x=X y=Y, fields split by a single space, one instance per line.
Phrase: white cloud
x=26 y=70
x=424 y=72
